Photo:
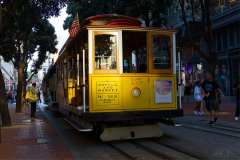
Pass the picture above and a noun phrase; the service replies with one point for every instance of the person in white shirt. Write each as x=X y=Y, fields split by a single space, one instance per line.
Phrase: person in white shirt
x=198 y=98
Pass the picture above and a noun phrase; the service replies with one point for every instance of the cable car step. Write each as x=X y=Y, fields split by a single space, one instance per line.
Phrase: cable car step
x=78 y=127
x=131 y=132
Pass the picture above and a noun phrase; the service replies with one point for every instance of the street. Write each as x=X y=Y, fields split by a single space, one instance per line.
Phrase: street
x=192 y=138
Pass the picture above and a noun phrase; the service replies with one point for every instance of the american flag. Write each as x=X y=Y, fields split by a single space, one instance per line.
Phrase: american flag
x=75 y=27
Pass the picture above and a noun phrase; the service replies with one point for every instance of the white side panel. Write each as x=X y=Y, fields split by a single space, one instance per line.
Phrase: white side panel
x=90 y=51
x=174 y=53
x=120 y=52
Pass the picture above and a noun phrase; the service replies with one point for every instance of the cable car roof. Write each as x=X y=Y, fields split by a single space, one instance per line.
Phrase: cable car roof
x=119 y=22
x=111 y=20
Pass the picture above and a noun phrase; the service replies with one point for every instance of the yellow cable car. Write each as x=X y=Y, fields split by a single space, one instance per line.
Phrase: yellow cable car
x=115 y=75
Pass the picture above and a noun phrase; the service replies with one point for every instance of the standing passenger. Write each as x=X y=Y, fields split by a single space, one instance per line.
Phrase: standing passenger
x=210 y=88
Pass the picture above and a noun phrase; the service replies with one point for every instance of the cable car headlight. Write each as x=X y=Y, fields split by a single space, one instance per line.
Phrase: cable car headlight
x=136 y=92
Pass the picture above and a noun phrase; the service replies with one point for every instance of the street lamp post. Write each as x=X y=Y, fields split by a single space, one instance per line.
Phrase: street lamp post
x=179 y=80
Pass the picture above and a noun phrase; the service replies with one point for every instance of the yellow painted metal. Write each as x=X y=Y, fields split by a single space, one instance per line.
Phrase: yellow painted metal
x=71 y=90
x=114 y=92
x=150 y=51
x=130 y=101
x=131 y=132
x=105 y=93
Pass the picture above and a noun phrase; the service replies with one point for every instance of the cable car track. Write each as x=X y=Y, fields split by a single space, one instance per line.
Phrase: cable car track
x=226 y=128
x=179 y=150
x=155 y=149
x=134 y=152
x=121 y=151
x=229 y=126
x=152 y=151
x=217 y=126
x=213 y=130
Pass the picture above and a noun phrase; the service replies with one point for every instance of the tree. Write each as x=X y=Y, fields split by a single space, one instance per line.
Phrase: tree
x=196 y=16
x=4 y=112
x=26 y=31
x=148 y=10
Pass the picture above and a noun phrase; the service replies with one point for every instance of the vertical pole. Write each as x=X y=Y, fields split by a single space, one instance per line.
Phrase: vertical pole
x=84 y=83
x=179 y=81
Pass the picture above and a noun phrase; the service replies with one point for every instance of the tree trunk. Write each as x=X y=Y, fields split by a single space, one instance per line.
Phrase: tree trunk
x=20 y=87
x=24 y=92
x=4 y=112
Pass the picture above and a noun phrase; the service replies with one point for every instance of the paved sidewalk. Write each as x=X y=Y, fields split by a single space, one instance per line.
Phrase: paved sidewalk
x=227 y=109
x=31 y=140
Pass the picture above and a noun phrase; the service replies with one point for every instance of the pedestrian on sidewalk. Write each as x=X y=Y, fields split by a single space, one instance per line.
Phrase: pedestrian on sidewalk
x=198 y=98
x=211 y=88
x=39 y=96
x=237 y=111
x=31 y=96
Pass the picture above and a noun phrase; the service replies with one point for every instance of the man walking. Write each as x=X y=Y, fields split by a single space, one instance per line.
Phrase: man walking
x=211 y=89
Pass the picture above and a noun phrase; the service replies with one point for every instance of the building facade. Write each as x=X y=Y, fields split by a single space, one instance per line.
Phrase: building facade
x=9 y=74
x=227 y=45
x=50 y=60
x=226 y=29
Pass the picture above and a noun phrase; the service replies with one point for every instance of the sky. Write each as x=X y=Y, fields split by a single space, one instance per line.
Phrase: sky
x=62 y=35
x=57 y=22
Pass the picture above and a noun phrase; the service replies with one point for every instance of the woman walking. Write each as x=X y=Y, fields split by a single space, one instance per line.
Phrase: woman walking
x=32 y=97
x=198 y=97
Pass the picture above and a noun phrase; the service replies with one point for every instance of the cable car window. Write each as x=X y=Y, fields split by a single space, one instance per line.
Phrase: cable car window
x=105 y=52
x=161 y=48
x=134 y=52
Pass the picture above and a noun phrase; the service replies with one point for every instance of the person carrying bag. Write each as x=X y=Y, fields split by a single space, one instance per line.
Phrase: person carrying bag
x=31 y=96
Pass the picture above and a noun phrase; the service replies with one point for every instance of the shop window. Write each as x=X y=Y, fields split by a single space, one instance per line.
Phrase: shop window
x=134 y=52
x=161 y=51
x=105 y=52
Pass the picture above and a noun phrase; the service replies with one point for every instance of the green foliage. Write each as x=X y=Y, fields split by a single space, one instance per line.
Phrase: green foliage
x=26 y=30
x=49 y=7
x=46 y=38
x=136 y=8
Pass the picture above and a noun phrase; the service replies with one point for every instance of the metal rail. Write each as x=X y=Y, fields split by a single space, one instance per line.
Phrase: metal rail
x=78 y=128
x=207 y=130
x=154 y=152
x=121 y=151
x=217 y=127
x=179 y=150
x=150 y=150
x=84 y=81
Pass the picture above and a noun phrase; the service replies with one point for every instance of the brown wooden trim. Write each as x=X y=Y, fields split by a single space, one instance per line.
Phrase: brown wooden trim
x=150 y=53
